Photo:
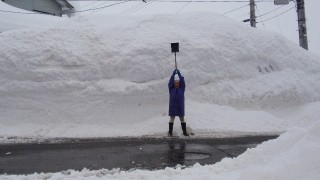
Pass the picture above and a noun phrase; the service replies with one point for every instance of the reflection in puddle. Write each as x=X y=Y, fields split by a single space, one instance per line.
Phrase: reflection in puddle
x=195 y=156
x=188 y=154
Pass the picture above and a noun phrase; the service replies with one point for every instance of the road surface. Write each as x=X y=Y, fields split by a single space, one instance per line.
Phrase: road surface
x=124 y=153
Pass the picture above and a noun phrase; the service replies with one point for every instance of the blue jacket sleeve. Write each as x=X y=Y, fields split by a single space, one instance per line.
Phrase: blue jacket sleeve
x=182 y=82
x=171 y=82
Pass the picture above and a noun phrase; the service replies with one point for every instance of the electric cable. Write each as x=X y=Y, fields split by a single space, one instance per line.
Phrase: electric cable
x=99 y=9
x=212 y=1
x=132 y=8
x=202 y=1
x=278 y=14
x=91 y=3
x=183 y=6
x=260 y=17
x=236 y=9
x=146 y=4
x=242 y=15
x=92 y=9
x=124 y=1
x=271 y=11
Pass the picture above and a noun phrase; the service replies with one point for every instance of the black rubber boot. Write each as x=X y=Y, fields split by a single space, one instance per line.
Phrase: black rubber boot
x=184 y=129
x=170 y=129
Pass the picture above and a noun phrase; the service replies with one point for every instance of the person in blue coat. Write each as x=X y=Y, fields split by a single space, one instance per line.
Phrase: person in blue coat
x=176 y=103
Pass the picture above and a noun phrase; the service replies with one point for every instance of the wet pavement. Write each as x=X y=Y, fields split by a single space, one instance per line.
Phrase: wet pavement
x=124 y=153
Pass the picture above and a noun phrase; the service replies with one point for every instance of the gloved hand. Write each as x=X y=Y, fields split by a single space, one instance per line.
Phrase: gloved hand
x=178 y=72
x=174 y=71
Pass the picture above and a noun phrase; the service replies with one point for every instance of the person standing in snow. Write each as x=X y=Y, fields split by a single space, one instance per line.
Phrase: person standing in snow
x=176 y=104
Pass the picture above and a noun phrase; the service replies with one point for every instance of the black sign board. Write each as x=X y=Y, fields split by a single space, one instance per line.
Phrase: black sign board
x=174 y=47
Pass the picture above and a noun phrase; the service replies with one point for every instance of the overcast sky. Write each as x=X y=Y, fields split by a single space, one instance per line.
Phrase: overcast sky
x=280 y=19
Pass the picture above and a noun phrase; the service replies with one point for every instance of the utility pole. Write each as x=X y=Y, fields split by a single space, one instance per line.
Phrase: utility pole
x=303 y=39
x=252 y=13
x=302 y=25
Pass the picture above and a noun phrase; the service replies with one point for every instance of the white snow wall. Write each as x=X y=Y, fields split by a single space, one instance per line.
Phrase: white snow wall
x=224 y=62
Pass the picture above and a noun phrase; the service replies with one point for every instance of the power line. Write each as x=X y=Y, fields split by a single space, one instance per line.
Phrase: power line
x=246 y=14
x=92 y=9
x=130 y=9
x=242 y=15
x=212 y=1
x=260 y=17
x=279 y=14
x=124 y=1
x=183 y=6
x=268 y=6
x=91 y=3
x=133 y=8
x=270 y=11
x=236 y=9
x=100 y=6
x=199 y=1
x=146 y=4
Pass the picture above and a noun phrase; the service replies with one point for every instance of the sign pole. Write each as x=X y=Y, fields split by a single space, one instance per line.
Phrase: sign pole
x=175 y=60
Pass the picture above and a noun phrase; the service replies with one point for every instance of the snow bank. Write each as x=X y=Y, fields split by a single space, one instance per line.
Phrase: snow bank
x=224 y=61
x=107 y=76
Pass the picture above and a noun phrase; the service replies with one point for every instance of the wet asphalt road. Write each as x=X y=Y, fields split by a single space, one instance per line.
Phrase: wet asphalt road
x=141 y=153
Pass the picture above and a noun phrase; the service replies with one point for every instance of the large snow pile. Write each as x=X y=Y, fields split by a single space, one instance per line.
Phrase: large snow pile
x=223 y=61
x=107 y=76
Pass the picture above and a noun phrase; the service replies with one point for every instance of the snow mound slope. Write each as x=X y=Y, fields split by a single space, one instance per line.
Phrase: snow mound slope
x=223 y=61
x=110 y=73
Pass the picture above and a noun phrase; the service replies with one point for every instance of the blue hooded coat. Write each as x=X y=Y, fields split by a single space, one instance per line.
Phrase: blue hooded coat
x=176 y=104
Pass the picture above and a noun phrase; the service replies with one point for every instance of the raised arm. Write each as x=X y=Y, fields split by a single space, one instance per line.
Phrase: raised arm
x=182 y=82
x=171 y=81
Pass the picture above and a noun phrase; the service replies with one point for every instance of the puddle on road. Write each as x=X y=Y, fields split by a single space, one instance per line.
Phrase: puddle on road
x=125 y=154
x=195 y=156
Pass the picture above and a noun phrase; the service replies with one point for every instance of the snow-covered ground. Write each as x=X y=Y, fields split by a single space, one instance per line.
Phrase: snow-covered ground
x=106 y=76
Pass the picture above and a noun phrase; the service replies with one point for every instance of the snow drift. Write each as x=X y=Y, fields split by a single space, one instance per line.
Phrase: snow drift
x=108 y=75
x=224 y=62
